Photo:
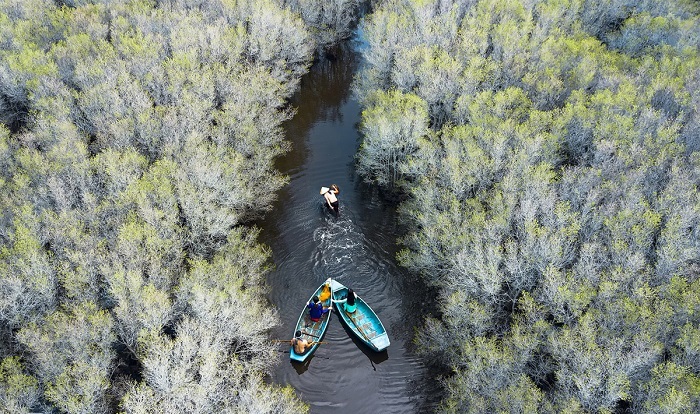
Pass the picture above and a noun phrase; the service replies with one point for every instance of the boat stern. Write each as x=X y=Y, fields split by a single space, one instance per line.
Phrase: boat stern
x=380 y=342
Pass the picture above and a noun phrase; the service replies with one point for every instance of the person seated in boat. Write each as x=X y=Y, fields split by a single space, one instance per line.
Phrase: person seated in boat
x=348 y=301
x=300 y=344
x=325 y=292
x=330 y=194
x=316 y=309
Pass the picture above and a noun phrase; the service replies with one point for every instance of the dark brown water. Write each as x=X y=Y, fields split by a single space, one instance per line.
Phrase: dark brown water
x=358 y=248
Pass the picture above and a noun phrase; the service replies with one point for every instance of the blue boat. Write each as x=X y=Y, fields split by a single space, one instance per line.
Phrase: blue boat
x=310 y=330
x=364 y=323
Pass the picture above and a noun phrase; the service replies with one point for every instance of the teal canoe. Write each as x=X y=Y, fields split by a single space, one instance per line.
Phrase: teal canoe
x=311 y=331
x=364 y=323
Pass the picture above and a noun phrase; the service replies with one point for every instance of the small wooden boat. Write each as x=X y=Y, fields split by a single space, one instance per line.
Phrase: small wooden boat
x=310 y=330
x=364 y=323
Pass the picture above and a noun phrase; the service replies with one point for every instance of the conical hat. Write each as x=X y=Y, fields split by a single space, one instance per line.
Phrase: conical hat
x=324 y=190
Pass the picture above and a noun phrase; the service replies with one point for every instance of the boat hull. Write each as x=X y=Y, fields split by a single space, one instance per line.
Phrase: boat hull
x=311 y=331
x=364 y=322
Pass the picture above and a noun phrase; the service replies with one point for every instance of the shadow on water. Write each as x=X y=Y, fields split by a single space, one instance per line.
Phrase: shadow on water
x=302 y=367
x=374 y=357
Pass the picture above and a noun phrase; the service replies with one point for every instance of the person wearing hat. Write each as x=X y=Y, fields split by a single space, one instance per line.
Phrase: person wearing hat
x=316 y=309
x=300 y=345
x=330 y=194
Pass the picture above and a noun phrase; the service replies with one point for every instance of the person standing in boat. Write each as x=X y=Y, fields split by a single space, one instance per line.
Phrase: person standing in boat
x=330 y=194
x=316 y=309
x=349 y=301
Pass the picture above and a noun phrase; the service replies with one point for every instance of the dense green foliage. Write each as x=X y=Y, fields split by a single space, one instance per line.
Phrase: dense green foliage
x=137 y=139
x=549 y=152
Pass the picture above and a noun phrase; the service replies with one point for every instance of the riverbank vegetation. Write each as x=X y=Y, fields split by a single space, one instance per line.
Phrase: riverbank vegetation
x=137 y=140
x=328 y=20
x=548 y=153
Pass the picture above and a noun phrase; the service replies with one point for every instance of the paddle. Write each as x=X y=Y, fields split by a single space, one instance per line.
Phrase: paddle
x=287 y=340
x=359 y=329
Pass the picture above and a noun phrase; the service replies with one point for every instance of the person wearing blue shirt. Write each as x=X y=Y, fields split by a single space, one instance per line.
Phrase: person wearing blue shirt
x=316 y=309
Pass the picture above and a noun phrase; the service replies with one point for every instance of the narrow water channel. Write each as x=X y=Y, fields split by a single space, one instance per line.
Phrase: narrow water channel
x=358 y=248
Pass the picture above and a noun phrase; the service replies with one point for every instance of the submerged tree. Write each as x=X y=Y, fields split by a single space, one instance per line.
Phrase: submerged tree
x=136 y=137
x=328 y=20
x=392 y=126
x=553 y=200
